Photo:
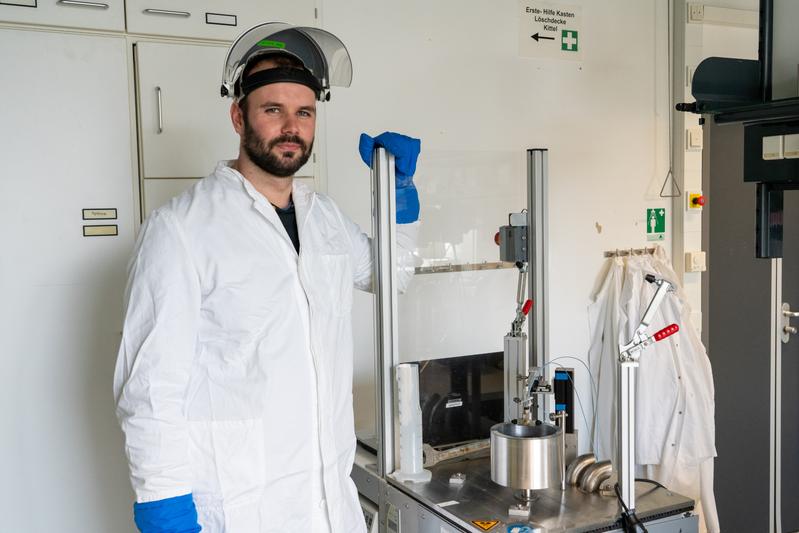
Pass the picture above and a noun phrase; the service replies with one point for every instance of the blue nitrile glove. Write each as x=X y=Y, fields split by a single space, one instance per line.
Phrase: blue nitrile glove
x=172 y=515
x=406 y=151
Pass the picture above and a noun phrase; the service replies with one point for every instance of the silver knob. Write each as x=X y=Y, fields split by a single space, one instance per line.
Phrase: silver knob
x=790 y=330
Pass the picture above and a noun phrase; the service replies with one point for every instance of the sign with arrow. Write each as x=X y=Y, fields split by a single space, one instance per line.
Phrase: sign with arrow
x=550 y=31
x=538 y=37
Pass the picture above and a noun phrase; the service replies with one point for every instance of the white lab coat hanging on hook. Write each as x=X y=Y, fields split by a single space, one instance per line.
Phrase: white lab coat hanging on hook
x=675 y=432
x=604 y=322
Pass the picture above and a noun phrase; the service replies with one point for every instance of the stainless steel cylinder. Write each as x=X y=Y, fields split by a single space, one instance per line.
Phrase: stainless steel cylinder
x=525 y=457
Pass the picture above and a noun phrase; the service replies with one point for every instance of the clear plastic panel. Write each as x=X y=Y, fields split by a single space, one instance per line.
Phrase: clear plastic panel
x=339 y=64
x=453 y=308
x=321 y=52
x=465 y=198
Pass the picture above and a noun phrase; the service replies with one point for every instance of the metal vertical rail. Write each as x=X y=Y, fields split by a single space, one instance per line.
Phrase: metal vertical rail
x=626 y=446
x=537 y=215
x=384 y=283
x=764 y=49
x=775 y=400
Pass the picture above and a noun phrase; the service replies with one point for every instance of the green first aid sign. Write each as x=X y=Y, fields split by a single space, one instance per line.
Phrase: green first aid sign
x=568 y=40
x=656 y=224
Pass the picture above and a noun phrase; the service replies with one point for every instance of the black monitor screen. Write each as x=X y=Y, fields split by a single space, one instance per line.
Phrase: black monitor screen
x=461 y=397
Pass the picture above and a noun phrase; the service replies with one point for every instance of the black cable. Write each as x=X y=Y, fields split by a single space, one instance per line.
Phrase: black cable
x=652 y=481
x=629 y=522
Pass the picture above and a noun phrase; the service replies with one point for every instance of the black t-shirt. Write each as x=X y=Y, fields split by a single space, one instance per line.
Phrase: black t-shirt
x=289 y=219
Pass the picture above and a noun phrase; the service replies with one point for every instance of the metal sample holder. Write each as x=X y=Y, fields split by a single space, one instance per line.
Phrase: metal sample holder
x=461 y=496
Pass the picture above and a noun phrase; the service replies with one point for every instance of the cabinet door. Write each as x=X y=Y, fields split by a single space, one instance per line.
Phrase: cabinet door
x=209 y=19
x=184 y=122
x=65 y=140
x=88 y=14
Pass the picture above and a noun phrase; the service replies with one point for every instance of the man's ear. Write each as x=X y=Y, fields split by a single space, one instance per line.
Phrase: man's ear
x=237 y=117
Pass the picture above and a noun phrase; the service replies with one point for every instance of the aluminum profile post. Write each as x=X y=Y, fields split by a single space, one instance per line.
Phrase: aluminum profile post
x=625 y=448
x=537 y=213
x=625 y=414
x=384 y=285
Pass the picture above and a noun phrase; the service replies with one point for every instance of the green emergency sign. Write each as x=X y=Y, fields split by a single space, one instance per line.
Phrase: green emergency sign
x=656 y=224
x=568 y=40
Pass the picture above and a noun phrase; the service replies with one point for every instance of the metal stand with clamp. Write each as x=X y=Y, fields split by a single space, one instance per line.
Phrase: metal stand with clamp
x=628 y=363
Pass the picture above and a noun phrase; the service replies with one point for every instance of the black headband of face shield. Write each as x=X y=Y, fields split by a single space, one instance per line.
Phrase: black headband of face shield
x=280 y=75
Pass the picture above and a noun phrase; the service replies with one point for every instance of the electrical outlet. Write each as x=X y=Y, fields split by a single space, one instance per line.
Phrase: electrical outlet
x=696 y=12
x=695 y=262
x=693 y=139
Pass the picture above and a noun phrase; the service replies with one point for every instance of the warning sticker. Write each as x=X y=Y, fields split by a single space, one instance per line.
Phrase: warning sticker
x=485 y=525
x=550 y=31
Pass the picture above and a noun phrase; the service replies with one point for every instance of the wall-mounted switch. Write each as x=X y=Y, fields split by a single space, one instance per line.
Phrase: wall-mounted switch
x=695 y=262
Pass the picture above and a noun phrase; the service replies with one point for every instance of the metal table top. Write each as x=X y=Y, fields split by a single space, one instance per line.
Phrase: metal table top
x=479 y=498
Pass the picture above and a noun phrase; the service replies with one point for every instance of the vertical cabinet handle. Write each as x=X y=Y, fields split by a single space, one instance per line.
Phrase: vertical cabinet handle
x=167 y=12
x=160 y=111
x=82 y=3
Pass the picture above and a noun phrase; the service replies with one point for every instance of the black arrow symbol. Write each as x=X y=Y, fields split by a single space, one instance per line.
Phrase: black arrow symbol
x=537 y=37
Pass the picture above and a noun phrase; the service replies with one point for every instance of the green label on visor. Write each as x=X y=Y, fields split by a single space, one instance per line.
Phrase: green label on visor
x=266 y=43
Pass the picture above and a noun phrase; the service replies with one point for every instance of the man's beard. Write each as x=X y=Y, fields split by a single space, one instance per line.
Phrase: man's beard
x=260 y=152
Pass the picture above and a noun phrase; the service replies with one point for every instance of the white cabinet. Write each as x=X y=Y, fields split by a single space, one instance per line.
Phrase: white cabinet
x=65 y=140
x=210 y=19
x=85 y=14
x=184 y=123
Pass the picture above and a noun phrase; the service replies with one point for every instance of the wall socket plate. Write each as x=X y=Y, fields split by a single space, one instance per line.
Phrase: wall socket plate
x=696 y=12
x=695 y=262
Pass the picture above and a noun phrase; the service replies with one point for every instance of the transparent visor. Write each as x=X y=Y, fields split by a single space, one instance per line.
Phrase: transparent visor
x=322 y=53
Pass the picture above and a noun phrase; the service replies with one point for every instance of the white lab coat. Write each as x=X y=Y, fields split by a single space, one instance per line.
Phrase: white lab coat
x=234 y=375
x=675 y=429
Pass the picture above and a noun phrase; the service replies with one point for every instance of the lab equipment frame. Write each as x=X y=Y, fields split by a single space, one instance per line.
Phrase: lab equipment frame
x=477 y=504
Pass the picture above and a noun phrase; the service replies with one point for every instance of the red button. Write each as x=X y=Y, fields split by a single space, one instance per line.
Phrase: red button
x=698 y=200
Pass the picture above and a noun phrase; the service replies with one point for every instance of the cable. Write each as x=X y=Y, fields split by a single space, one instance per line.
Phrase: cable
x=590 y=375
x=652 y=481
x=594 y=396
x=579 y=402
x=629 y=522
x=670 y=66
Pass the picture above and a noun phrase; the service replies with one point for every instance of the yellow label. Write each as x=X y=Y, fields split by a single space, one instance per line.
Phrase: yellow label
x=100 y=231
x=485 y=525
x=99 y=214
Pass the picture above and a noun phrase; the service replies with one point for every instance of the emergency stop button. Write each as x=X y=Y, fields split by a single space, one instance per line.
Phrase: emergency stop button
x=696 y=200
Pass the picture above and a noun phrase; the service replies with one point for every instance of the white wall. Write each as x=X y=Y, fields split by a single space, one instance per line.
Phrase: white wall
x=450 y=73
x=749 y=5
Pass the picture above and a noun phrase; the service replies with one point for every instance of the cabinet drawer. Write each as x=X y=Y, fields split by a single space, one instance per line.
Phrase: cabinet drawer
x=84 y=14
x=209 y=19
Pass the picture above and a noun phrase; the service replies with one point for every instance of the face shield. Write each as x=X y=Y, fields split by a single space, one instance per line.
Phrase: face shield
x=322 y=54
